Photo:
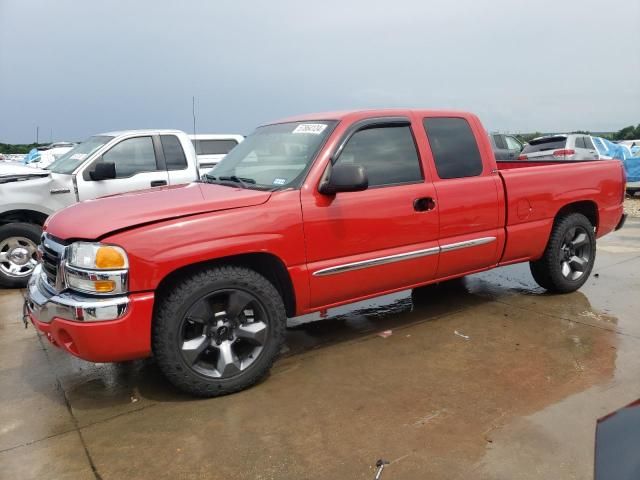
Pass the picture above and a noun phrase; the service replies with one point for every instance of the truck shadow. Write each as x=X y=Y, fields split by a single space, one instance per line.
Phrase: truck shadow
x=132 y=385
x=99 y=391
x=344 y=324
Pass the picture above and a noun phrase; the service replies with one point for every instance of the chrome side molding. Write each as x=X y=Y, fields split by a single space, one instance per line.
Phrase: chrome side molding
x=468 y=243
x=347 y=267
x=376 y=261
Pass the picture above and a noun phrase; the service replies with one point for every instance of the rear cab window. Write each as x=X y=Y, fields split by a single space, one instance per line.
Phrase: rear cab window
x=173 y=153
x=543 y=144
x=499 y=141
x=214 y=147
x=454 y=147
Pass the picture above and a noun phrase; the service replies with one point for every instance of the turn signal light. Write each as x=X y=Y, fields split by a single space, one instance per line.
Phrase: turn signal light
x=104 y=286
x=109 y=257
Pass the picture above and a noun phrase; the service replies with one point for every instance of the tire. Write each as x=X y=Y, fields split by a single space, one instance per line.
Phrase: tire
x=572 y=245
x=202 y=346
x=18 y=242
x=631 y=192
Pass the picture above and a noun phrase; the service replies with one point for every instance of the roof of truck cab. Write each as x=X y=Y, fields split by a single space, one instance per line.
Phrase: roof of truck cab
x=148 y=131
x=357 y=114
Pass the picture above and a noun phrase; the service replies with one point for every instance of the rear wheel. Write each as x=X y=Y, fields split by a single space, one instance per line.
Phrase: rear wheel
x=18 y=253
x=219 y=331
x=568 y=259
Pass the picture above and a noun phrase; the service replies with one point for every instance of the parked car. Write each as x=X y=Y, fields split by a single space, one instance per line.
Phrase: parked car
x=42 y=157
x=505 y=147
x=102 y=165
x=210 y=148
x=306 y=214
x=560 y=147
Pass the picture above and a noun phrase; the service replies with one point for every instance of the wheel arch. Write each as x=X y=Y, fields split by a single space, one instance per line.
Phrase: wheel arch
x=266 y=264
x=23 y=216
x=588 y=208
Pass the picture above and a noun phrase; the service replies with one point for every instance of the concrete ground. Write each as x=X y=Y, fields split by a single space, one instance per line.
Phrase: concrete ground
x=487 y=378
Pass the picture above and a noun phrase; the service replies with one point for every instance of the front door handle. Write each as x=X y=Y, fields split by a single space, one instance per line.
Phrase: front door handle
x=158 y=183
x=424 y=204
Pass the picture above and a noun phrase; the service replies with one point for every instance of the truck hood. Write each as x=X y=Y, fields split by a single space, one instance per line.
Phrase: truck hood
x=93 y=219
x=15 y=172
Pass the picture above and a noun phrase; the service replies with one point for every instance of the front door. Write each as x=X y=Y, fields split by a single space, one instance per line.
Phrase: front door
x=379 y=239
x=137 y=168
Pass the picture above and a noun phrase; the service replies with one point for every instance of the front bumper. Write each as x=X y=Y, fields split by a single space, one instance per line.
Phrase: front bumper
x=95 y=329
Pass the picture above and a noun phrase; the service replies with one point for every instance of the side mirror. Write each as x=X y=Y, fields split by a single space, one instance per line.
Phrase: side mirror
x=103 y=171
x=345 y=178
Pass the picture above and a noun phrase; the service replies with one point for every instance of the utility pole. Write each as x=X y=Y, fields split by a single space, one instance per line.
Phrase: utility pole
x=37 y=133
x=51 y=135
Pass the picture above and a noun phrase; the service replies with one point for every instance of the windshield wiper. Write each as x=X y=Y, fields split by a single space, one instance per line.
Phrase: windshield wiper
x=241 y=180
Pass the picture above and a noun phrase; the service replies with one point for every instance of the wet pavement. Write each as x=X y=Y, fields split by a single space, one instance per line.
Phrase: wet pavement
x=486 y=378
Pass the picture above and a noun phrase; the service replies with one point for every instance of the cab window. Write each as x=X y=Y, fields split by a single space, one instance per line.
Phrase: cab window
x=388 y=155
x=454 y=147
x=132 y=156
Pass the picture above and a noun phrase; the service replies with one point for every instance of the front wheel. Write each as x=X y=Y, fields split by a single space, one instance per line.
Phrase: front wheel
x=219 y=331
x=568 y=259
x=18 y=253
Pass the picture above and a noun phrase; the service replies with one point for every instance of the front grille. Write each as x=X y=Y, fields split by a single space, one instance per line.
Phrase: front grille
x=51 y=255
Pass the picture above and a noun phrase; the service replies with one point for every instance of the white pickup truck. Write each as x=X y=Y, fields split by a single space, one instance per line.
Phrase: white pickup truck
x=104 y=164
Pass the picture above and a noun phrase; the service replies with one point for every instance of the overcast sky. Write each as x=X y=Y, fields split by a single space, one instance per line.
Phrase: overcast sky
x=83 y=67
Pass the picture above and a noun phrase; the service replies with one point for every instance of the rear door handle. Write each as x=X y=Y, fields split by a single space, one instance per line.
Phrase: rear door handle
x=424 y=204
x=158 y=183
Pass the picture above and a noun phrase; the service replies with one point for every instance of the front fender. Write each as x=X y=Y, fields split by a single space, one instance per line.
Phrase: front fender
x=159 y=249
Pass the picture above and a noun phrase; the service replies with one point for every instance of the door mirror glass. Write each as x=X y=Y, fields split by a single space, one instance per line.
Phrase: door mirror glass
x=346 y=177
x=103 y=171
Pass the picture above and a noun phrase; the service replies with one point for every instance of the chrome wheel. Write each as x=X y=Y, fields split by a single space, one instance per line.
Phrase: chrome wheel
x=18 y=256
x=575 y=253
x=223 y=333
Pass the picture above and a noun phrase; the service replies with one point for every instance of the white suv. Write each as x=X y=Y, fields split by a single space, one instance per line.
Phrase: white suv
x=560 y=147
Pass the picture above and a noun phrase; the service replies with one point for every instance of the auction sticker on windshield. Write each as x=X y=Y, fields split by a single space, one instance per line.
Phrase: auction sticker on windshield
x=313 y=128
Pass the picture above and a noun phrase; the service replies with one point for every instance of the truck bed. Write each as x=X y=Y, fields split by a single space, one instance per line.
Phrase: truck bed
x=535 y=191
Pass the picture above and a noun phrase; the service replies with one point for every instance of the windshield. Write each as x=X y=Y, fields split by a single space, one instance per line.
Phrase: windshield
x=274 y=156
x=71 y=160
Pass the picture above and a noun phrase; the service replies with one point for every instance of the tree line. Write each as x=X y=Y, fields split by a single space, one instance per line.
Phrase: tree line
x=10 y=148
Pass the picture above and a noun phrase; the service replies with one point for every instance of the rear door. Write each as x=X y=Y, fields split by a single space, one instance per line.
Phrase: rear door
x=468 y=197
x=592 y=152
x=175 y=160
x=137 y=168
x=379 y=239
x=500 y=149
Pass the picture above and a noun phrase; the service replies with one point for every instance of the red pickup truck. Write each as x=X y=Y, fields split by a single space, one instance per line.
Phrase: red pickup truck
x=307 y=213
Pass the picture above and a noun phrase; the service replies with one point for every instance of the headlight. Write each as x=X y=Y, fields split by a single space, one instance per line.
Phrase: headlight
x=97 y=268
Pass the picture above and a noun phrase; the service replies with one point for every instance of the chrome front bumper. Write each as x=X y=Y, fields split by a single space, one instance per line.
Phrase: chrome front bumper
x=45 y=305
